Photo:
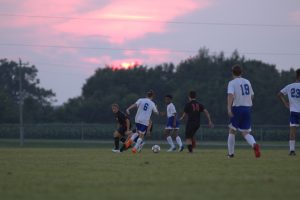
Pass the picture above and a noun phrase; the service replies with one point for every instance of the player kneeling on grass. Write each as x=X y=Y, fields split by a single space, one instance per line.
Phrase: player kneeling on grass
x=145 y=107
x=172 y=126
x=293 y=92
x=193 y=110
x=123 y=127
x=239 y=103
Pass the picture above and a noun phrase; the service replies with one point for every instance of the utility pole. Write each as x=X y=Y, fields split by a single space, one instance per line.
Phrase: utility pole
x=21 y=104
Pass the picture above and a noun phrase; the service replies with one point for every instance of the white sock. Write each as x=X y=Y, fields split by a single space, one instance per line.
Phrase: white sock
x=178 y=140
x=170 y=141
x=134 y=136
x=250 y=139
x=231 y=143
x=292 y=145
x=138 y=143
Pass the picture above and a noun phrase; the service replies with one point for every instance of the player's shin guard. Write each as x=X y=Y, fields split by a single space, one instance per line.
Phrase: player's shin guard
x=116 y=142
x=170 y=141
x=179 y=142
x=231 y=143
x=292 y=145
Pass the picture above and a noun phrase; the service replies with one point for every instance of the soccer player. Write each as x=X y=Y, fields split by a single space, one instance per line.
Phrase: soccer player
x=123 y=127
x=145 y=107
x=172 y=125
x=293 y=92
x=239 y=103
x=192 y=110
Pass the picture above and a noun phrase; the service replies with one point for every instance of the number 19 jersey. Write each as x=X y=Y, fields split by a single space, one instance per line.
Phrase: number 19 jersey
x=242 y=91
x=144 y=112
x=293 y=93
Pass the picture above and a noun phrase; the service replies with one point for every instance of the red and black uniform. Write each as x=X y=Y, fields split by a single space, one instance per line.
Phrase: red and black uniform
x=121 y=119
x=193 y=109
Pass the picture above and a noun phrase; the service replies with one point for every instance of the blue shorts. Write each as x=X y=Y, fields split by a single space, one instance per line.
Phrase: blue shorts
x=241 y=119
x=170 y=122
x=141 y=128
x=294 y=118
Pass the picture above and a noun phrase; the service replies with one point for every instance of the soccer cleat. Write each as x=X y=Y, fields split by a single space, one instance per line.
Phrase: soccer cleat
x=181 y=148
x=128 y=143
x=139 y=149
x=292 y=153
x=256 y=150
x=230 y=156
x=115 y=150
x=171 y=149
x=134 y=150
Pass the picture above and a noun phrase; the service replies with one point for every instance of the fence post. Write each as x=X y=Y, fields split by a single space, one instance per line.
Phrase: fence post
x=82 y=131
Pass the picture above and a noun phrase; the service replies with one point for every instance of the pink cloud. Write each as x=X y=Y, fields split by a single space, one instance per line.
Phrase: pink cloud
x=124 y=20
x=295 y=16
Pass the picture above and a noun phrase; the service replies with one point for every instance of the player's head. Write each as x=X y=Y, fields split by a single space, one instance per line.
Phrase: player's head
x=192 y=95
x=298 y=74
x=236 y=70
x=168 y=98
x=150 y=94
x=115 y=108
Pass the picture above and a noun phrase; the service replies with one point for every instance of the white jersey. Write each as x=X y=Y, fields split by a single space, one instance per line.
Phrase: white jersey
x=293 y=93
x=171 y=111
x=145 y=108
x=242 y=91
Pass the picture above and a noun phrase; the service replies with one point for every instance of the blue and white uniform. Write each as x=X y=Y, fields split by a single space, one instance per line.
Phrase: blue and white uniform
x=293 y=93
x=242 y=92
x=145 y=108
x=171 y=112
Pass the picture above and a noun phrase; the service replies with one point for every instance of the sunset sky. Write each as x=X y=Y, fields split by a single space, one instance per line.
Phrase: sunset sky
x=68 y=39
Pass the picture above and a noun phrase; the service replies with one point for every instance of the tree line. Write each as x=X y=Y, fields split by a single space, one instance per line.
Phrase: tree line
x=207 y=74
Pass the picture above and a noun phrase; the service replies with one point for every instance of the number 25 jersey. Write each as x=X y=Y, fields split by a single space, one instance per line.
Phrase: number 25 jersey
x=241 y=90
x=293 y=93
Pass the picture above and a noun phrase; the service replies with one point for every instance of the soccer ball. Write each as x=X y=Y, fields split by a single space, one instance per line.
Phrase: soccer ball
x=156 y=148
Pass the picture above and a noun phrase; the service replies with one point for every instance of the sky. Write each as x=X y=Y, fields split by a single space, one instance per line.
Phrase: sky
x=68 y=40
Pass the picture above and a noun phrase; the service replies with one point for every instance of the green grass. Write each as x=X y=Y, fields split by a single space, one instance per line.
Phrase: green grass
x=96 y=173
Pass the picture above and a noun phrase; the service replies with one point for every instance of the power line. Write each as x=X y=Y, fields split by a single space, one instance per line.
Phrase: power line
x=155 y=21
x=137 y=49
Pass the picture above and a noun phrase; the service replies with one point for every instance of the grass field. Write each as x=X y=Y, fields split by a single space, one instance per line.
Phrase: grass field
x=96 y=173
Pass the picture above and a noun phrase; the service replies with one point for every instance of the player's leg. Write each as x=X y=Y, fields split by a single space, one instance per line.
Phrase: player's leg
x=191 y=130
x=294 y=123
x=233 y=126
x=175 y=134
x=169 y=139
x=117 y=137
x=131 y=139
x=141 y=129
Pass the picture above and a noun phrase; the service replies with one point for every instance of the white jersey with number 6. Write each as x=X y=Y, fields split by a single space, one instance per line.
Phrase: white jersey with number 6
x=145 y=108
x=293 y=93
x=242 y=91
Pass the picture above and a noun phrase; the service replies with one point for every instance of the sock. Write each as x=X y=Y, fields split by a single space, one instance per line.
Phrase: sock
x=170 y=141
x=190 y=148
x=292 y=145
x=123 y=139
x=134 y=136
x=250 y=139
x=138 y=143
x=178 y=140
x=116 y=143
x=231 y=143
x=194 y=143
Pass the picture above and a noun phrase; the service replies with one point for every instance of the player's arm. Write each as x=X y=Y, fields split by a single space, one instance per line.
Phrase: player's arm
x=127 y=125
x=229 y=104
x=283 y=100
x=131 y=107
x=207 y=115
x=155 y=110
x=183 y=116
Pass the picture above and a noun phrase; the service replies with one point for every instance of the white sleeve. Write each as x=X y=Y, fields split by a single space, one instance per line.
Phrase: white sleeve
x=138 y=102
x=155 y=108
x=230 y=89
x=172 y=109
x=284 y=90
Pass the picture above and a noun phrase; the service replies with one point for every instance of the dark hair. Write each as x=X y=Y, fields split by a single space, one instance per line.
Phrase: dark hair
x=150 y=93
x=192 y=94
x=236 y=70
x=115 y=105
x=298 y=73
x=169 y=96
